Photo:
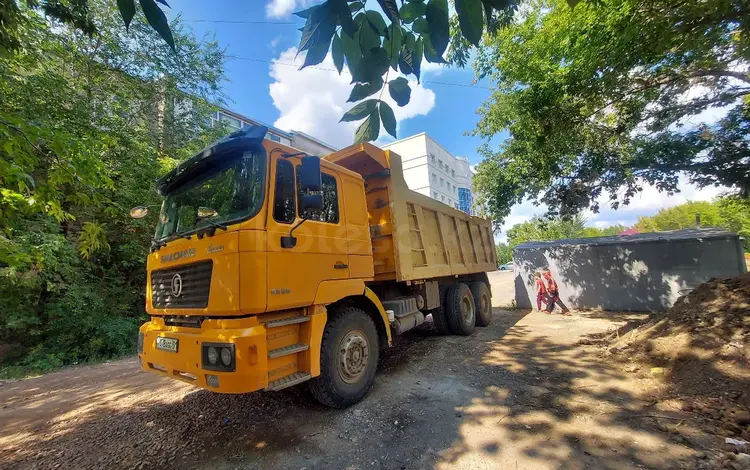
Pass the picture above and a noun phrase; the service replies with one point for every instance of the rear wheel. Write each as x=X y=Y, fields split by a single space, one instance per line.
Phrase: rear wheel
x=348 y=359
x=482 y=303
x=460 y=310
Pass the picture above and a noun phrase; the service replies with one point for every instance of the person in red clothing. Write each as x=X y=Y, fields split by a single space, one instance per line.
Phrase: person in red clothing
x=553 y=294
x=541 y=291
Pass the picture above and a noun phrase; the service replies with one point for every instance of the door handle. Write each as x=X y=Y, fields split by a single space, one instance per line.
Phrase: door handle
x=340 y=265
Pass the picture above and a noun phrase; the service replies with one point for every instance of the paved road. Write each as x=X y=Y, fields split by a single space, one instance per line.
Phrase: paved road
x=519 y=394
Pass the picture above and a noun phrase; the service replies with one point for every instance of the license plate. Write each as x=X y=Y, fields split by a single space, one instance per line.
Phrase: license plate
x=167 y=344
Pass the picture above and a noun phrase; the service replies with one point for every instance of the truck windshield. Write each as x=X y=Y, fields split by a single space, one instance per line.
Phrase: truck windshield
x=227 y=193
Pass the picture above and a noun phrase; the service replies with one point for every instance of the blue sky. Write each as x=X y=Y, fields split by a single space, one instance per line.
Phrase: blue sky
x=450 y=117
x=264 y=84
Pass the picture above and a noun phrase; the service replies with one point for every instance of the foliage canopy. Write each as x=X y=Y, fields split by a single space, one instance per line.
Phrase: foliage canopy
x=599 y=101
x=87 y=123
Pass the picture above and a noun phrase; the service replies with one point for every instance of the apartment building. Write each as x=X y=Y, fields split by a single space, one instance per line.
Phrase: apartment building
x=296 y=139
x=431 y=170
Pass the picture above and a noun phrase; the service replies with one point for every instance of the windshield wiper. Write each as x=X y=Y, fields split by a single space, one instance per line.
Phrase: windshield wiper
x=156 y=244
x=211 y=225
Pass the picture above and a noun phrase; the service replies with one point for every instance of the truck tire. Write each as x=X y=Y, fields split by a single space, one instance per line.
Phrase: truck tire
x=440 y=322
x=482 y=303
x=348 y=359
x=460 y=310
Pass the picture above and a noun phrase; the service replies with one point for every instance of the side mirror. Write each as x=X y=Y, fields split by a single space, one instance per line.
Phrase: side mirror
x=206 y=212
x=309 y=174
x=311 y=202
x=138 y=212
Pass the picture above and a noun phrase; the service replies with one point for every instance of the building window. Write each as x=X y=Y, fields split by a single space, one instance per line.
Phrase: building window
x=274 y=137
x=432 y=158
x=442 y=198
x=442 y=182
x=434 y=194
x=283 y=204
x=434 y=177
x=330 y=212
x=453 y=173
x=440 y=164
x=231 y=121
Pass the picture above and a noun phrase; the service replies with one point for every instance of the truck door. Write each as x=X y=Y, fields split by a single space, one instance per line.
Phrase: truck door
x=321 y=250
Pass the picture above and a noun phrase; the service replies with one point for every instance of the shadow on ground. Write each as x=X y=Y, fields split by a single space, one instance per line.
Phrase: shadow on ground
x=518 y=394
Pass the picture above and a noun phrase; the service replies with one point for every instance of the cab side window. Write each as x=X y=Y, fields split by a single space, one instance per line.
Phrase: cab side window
x=330 y=212
x=284 y=205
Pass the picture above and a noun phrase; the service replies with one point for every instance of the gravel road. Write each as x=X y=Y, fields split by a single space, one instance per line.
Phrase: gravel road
x=519 y=394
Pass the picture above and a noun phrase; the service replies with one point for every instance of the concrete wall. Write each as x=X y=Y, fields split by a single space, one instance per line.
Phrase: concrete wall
x=646 y=276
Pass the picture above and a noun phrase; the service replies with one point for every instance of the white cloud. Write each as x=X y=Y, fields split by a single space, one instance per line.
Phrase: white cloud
x=282 y=8
x=313 y=100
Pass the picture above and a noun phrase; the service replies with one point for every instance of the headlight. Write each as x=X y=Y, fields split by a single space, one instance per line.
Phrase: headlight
x=218 y=356
x=213 y=356
x=226 y=356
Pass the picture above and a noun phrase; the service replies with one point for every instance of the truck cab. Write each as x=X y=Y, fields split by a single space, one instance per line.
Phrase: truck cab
x=262 y=274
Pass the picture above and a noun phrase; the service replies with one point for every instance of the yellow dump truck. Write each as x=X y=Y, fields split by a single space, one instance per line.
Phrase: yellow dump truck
x=270 y=268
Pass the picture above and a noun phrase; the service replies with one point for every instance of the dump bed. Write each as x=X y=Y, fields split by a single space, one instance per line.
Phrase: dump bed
x=414 y=236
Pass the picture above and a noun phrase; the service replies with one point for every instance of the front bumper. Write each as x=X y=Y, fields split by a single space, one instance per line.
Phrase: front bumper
x=247 y=334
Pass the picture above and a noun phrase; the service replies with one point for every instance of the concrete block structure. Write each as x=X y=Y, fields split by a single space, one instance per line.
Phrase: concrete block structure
x=643 y=272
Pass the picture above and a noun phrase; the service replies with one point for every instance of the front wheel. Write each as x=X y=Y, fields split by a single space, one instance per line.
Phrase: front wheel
x=348 y=359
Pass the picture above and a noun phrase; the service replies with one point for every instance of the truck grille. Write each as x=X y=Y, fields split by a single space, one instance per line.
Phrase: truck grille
x=184 y=286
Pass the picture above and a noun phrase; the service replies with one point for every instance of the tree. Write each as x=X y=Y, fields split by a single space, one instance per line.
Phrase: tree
x=77 y=14
x=600 y=101
x=87 y=123
x=544 y=229
x=728 y=213
x=504 y=253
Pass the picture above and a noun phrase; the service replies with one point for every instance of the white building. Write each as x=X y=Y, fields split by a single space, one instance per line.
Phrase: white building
x=431 y=170
x=296 y=139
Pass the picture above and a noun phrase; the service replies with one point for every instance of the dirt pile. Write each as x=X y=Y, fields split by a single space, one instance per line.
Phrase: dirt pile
x=700 y=350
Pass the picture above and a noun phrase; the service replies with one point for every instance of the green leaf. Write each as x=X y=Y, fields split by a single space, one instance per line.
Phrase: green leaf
x=411 y=11
x=390 y=8
x=352 y=52
x=337 y=51
x=388 y=118
x=368 y=130
x=417 y=53
x=359 y=111
x=344 y=15
x=368 y=39
x=573 y=3
x=375 y=65
x=406 y=61
x=393 y=43
x=400 y=91
x=319 y=28
x=362 y=91
x=471 y=19
x=429 y=52
x=437 y=20
x=355 y=6
x=420 y=26
x=376 y=21
x=127 y=11
x=316 y=54
x=157 y=20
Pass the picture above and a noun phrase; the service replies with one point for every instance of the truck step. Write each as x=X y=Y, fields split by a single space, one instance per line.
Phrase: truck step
x=286 y=350
x=288 y=381
x=286 y=321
